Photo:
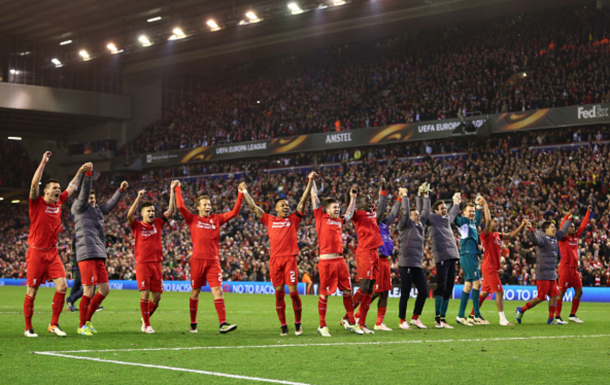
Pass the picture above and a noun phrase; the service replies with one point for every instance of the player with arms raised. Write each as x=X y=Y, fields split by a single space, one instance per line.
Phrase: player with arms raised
x=205 y=262
x=491 y=268
x=149 y=253
x=42 y=257
x=282 y=231
x=332 y=267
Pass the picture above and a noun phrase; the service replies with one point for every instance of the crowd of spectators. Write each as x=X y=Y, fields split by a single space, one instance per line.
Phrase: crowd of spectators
x=521 y=62
x=517 y=174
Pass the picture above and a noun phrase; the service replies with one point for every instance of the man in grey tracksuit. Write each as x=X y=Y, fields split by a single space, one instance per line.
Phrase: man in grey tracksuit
x=445 y=252
x=91 y=248
x=547 y=250
x=410 y=261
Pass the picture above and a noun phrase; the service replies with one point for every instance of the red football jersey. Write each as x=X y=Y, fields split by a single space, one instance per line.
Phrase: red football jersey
x=45 y=221
x=283 y=234
x=491 y=242
x=330 y=232
x=205 y=231
x=148 y=247
x=568 y=246
x=367 y=230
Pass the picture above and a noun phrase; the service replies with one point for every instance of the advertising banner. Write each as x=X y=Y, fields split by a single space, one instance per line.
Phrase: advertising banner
x=240 y=287
x=526 y=293
x=551 y=117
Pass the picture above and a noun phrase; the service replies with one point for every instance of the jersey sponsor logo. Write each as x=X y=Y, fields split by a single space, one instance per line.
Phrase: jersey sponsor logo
x=52 y=210
x=280 y=225
x=206 y=226
x=333 y=222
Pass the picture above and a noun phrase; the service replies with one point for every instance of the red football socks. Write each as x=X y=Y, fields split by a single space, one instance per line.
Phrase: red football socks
x=526 y=307
x=145 y=312
x=219 y=304
x=349 y=307
x=297 y=306
x=95 y=304
x=152 y=307
x=357 y=299
x=322 y=311
x=552 y=311
x=57 y=306
x=193 y=305
x=415 y=317
x=575 y=304
x=364 y=308
x=83 y=309
x=280 y=307
x=380 y=315
x=558 y=307
x=28 y=311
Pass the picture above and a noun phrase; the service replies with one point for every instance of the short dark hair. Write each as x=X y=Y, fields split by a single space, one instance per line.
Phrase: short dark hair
x=92 y=192
x=545 y=225
x=202 y=197
x=412 y=209
x=146 y=204
x=436 y=205
x=328 y=201
x=47 y=183
x=279 y=200
x=469 y=205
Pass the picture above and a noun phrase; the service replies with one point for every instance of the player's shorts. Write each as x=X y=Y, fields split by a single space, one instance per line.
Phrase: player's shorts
x=333 y=273
x=205 y=271
x=470 y=267
x=284 y=271
x=149 y=277
x=569 y=277
x=43 y=266
x=93 y=271
x=383 y=282
x=367 y=263
x=491 y=282
x=547 y=288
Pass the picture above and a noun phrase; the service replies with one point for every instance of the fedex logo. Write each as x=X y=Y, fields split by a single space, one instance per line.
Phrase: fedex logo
x=594 y=112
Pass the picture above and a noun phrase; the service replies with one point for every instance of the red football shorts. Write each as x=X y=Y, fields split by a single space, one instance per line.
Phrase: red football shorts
x=93 y=271
x=149 y=277
x=333 y=273
x=569 y=277
x=284 y=271
x=205 y=271
x=367 y=262
x=547 y=288
x=383 y=282
x=491 y=282
x=43 y=266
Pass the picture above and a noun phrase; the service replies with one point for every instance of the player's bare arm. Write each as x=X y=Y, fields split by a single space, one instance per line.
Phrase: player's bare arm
x=34 y=190
x=131 y=214
x=301 y=206
x=315 y=199
x=487 y=215
x=75 y=182
x=349 y=213
x=515 y=232
x=250 y=202
x=172 y=199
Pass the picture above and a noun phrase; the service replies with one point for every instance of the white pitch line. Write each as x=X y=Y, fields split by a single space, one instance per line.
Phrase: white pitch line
x=258 y=379
x=331 y=344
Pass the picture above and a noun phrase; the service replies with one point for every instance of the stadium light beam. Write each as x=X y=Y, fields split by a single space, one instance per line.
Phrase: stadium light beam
x=337 y=3
x=213 y=26
x=66 y=42
x=294 y=8
x=56 y=62
x=14 y=72
x=153 y=19
x=144 y=40
x=113 y=49
x=84 y=54
x=178 y=34
x=1 y=199
x=251 y=18
x=15 y=201
x=14 y=138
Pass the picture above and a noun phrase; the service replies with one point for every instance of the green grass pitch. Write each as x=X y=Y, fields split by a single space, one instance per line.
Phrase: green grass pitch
x=529 y=353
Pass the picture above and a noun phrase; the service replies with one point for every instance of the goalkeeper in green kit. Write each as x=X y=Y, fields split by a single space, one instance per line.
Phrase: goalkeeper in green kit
x=468 y=225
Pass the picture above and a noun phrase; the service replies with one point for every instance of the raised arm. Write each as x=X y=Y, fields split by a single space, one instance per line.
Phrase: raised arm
x=315 y=199
x=34 y=189
x=131 y=214
x=455 y=209
x=351 y=208
x=301 y=206
x=382 y=201
x=393 y=213
x=513 y=233
x=172 y=201
x=405 y=215
x=250 y=202
x=186 y=214
x=487 y=215
x=426 y=211
x=563 y=231
x=584 y=223
x=479 y=205
x=82 y=201
x=75 y=182
x=109 y=205
x=536 y=240
x=240 y=199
